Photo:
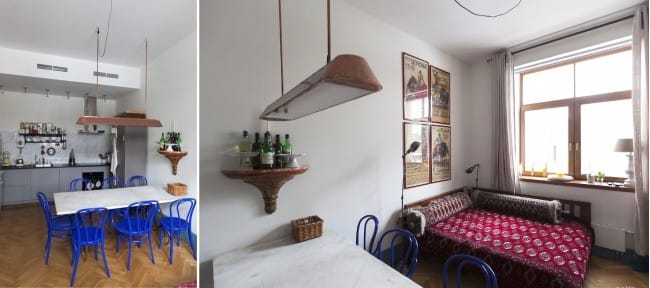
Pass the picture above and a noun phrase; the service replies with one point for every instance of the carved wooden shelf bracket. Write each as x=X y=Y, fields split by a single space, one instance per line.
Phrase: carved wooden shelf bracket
x=268 y=181
x=174 y=157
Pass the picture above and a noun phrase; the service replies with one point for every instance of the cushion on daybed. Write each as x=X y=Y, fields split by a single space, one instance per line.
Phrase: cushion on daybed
x=530 y=208
x=417 y=218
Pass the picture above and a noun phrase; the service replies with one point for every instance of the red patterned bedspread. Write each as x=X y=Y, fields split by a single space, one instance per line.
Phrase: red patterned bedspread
x=523 y=253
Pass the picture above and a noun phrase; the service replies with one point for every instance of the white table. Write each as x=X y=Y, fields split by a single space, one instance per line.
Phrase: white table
x=71 y=202
x=326 y=261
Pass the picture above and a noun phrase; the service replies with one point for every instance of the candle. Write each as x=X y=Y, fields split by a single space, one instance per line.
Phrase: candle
x=173 y=125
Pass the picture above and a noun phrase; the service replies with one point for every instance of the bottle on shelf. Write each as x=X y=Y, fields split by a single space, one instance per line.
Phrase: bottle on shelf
x=286 y=149
x=179 y=142
x=162 y=142
x=277 y=148
x=266 y=152
x=245 y=146
x=257 y=145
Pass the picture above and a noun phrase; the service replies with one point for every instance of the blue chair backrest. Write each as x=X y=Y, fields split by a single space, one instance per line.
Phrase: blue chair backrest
x=81 y=182
x=89 y=225
x=406 y=261
x=463 y=259
x=142 y=214
x=113 y=182
x=45 y=205
x=368 y=246
x=175 y=211
x=138 y=180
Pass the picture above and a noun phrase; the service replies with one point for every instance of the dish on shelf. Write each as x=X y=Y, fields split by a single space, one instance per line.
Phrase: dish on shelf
x=560 y=178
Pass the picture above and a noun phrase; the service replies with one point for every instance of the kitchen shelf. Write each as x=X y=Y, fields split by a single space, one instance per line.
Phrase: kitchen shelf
x=174 y=157
x=43 y=138
x=268 y=181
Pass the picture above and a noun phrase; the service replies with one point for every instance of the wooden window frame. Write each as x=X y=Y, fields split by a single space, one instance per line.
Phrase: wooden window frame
x=573 y=105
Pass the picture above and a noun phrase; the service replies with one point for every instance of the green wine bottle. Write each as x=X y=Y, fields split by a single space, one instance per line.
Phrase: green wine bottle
x=277 y=148
x=266 y=152
x=257 y=145
x=286 y=149
x=245 y=146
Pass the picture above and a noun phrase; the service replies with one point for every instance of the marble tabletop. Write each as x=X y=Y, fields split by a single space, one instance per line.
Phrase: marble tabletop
x=71 y=202
x=327 y=261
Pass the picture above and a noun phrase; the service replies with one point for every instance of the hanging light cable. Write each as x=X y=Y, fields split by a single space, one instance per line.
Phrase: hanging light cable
x=487 y=15
x=108 y=28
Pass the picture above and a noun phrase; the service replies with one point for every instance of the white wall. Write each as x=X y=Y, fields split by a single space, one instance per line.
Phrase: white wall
x=353 y=149
x=611 y=212
x=171 y=96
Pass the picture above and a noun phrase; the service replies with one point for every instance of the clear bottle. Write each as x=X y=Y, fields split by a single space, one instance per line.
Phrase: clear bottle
x=266 y=152
x=286 y=149
x=257 y=145
x=245 y=146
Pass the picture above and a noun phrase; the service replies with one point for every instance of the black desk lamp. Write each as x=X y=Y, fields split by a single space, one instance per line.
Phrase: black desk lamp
x=471 y=169
x=412 y=148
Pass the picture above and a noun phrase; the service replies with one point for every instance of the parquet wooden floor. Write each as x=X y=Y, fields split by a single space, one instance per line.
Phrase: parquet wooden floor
x=601 y=273
x=22 y=258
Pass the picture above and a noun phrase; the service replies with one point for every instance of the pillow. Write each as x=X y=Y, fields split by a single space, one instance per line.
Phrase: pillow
x=419 y=217
x=531 y=208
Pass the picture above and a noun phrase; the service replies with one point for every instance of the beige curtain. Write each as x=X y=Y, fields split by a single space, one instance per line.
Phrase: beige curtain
x=641 y=129
x=505 y=176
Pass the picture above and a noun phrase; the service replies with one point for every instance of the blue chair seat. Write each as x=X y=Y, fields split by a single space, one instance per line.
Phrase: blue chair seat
x=123 y=226
x=57 y=227
x=177 y=223
x=135 y=225
x=62 y=223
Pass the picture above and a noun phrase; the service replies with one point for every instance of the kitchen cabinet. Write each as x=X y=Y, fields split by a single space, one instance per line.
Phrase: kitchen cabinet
x=44 y=180
x=16 y=186
x=66 y=175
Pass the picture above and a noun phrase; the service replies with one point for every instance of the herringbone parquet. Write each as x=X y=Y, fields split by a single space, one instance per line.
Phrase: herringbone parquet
x=22 y=258
x=601 y=273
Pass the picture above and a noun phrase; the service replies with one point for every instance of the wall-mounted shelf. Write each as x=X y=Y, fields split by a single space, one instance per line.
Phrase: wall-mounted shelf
x=43 y=138
x=174 y=157
x=268 y=181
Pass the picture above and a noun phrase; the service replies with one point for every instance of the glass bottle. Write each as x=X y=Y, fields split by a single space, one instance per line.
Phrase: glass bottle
x=266 y=152
x=277 y=148
x=286 y=149
x=257 y=145
x=162 y=141
x=245 y=146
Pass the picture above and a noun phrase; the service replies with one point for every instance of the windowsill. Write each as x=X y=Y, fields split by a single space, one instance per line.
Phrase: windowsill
x=577 y=183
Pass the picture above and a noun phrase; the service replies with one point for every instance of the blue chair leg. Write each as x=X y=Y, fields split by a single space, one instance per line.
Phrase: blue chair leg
x=150 y=247
x=47 y=248
x=128 y=261
x=75 y=261
x=161 y=237
x=171 y=247
x=108 y=273
x=189 y=237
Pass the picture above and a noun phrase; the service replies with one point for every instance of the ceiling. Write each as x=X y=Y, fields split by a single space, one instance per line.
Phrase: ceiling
x=68 y=27
x=447 y=26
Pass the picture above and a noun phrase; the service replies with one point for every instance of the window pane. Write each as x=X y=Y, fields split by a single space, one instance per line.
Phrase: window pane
x=548 y=85
x=546 y=140
x=605 y=74
x=601 y=125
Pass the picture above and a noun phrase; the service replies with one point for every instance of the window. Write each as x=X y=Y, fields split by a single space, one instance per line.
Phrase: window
x=572 y=113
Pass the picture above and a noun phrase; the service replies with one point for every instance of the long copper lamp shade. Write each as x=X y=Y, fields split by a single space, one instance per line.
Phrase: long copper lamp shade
x=345 y=78
x=118 y=121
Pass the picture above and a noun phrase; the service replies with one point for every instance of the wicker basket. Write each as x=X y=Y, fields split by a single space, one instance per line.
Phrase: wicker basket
x=177 y=189
x=306 y=228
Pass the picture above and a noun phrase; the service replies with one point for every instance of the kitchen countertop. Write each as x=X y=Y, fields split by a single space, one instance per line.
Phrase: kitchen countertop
x=32 y=166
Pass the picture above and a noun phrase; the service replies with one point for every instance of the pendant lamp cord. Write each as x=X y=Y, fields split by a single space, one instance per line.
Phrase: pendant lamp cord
x=146 y=71
x=97 y=68
x=281 y=52
x=329 y=46
x=486 y=15
x=108 y=28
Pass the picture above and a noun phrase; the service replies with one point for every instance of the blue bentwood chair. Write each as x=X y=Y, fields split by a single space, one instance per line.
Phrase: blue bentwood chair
x=88 y=231
x=113 y=182
x=79 y=182
x=137 y=180
x=135 y=224
x=57 y=227
x=463 y=259
x=373 y=230
x=176 y=223
x=404 y=262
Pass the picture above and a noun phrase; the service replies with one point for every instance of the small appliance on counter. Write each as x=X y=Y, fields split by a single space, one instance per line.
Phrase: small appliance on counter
x=19 y=161
x=6 y=158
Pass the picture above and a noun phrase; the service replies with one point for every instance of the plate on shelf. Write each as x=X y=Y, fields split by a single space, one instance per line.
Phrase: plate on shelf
x=555 y=177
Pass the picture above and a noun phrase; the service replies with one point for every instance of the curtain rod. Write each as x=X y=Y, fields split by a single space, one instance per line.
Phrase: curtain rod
x=574 y=34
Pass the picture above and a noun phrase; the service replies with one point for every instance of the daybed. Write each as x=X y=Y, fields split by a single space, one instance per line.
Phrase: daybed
x=528 y=242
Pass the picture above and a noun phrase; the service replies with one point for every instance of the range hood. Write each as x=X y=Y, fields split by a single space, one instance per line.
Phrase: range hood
x=345 y=78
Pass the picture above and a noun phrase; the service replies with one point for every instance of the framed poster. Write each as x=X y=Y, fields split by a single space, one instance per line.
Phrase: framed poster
x=440 y=153
x=415 y=88
x=416 y=164
x=440 y=95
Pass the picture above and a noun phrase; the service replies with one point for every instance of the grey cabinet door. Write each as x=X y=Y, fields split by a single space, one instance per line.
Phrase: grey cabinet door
x=16 y=186
x=66 y=175
x=44 y=180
